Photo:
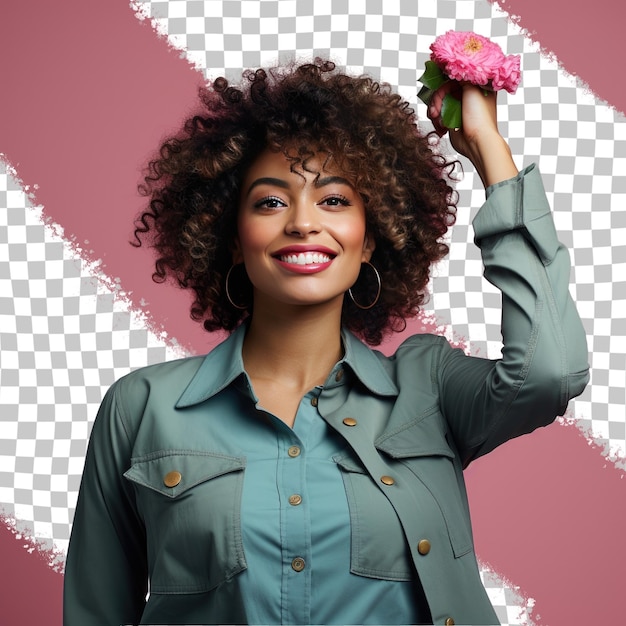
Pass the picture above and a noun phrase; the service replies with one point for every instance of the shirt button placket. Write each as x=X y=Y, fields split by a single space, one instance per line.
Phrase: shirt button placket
x=296 y=574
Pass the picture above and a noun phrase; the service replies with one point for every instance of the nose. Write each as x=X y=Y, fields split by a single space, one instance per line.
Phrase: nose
x=303 y=219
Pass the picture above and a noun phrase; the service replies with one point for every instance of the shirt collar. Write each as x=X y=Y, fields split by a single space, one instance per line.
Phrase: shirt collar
x=220 y=368
x=224 y=364
x=367 y=366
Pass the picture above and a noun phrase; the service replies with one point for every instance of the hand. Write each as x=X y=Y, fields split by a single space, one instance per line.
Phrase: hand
x=479 y=138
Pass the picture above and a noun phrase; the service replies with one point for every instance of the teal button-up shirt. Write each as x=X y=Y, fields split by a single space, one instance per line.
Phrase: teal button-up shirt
x=295 y=519
x=359 y=513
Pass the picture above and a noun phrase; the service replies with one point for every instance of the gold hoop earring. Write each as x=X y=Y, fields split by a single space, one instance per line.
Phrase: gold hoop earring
x=369 y=306
x=226 y=286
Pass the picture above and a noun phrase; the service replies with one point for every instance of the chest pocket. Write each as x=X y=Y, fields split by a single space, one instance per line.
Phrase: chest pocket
x=378 y=548
x=422 y=447
x=191 y=504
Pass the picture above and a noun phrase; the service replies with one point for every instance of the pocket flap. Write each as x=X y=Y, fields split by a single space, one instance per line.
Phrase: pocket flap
x=424 y=436
x=172 y=472
x=349 y=463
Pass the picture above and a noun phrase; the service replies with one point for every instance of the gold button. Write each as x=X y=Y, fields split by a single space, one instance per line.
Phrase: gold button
x=387 y=480
x=171 y=479
x=293 y=451
x=297 y=564
x=339 y=376
x=349 y=421
x=295 y=499
x=313 y=401
x=423 y=547
x=449 y=622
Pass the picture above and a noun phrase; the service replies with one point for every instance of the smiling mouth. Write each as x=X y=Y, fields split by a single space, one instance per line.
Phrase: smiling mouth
x=305 y=258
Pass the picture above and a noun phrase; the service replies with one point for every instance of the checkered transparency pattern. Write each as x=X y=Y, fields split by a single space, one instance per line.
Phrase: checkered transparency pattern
x=65 y=335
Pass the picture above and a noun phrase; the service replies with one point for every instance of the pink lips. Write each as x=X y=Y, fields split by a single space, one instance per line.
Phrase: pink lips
x=304 y=259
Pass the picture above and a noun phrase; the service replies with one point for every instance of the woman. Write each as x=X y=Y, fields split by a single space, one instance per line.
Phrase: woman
x=294 y=475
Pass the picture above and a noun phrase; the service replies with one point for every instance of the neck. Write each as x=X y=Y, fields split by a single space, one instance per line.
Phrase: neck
x=297 y=346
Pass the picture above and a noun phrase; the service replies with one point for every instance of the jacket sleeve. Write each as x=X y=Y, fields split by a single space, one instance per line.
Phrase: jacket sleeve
x=105 y=571
x=544 y=355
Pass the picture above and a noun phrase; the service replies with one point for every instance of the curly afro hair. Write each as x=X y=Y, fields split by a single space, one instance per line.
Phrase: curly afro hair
x=371 y=135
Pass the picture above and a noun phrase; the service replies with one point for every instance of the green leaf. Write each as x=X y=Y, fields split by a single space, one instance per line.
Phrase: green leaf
x=451 y=112
x=425 y=94
x=433 y=77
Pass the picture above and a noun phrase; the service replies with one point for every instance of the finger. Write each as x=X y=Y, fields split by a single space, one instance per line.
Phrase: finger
x=436 y=100
x=435 y=117
x=435 y=107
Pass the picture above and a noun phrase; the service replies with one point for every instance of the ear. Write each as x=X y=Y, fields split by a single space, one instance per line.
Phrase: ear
x=369 y=245
x=237 y=254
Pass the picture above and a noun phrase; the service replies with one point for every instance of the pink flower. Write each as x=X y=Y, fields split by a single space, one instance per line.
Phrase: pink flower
x=467 y=56
x=508 y=75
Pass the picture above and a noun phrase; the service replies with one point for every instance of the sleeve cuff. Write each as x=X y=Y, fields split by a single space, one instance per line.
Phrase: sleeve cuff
x=519 y=203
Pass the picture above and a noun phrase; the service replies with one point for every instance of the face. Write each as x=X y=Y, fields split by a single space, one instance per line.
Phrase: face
x=301 y=239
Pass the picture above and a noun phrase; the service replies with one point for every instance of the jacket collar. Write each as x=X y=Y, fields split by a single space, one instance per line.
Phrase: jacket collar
x=224 y=365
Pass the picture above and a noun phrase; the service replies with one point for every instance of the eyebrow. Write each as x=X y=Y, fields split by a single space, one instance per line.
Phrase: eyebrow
x=331 y=180
x=283 y=184
x=266 y=180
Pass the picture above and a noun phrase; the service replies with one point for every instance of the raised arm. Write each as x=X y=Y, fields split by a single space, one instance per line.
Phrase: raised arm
x=544 y=356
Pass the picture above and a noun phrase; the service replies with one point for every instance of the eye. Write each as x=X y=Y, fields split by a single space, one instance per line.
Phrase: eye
x=335 y=200
x=269 y=202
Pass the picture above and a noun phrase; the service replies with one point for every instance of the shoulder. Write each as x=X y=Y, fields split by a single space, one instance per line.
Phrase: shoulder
x=160 y=384
x=157 y=373
x=417 y=355
x=416 y=346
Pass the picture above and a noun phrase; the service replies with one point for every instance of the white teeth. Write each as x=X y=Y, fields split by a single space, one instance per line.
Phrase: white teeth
x=305 y=258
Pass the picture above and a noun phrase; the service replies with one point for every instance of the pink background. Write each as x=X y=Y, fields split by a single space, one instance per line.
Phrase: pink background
x=65 y=125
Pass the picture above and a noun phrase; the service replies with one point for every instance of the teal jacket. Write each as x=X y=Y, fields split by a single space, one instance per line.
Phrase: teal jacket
x=417 y=419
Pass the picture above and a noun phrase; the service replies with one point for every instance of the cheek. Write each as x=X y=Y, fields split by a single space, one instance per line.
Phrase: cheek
x=250 y=239
x=353 y=236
